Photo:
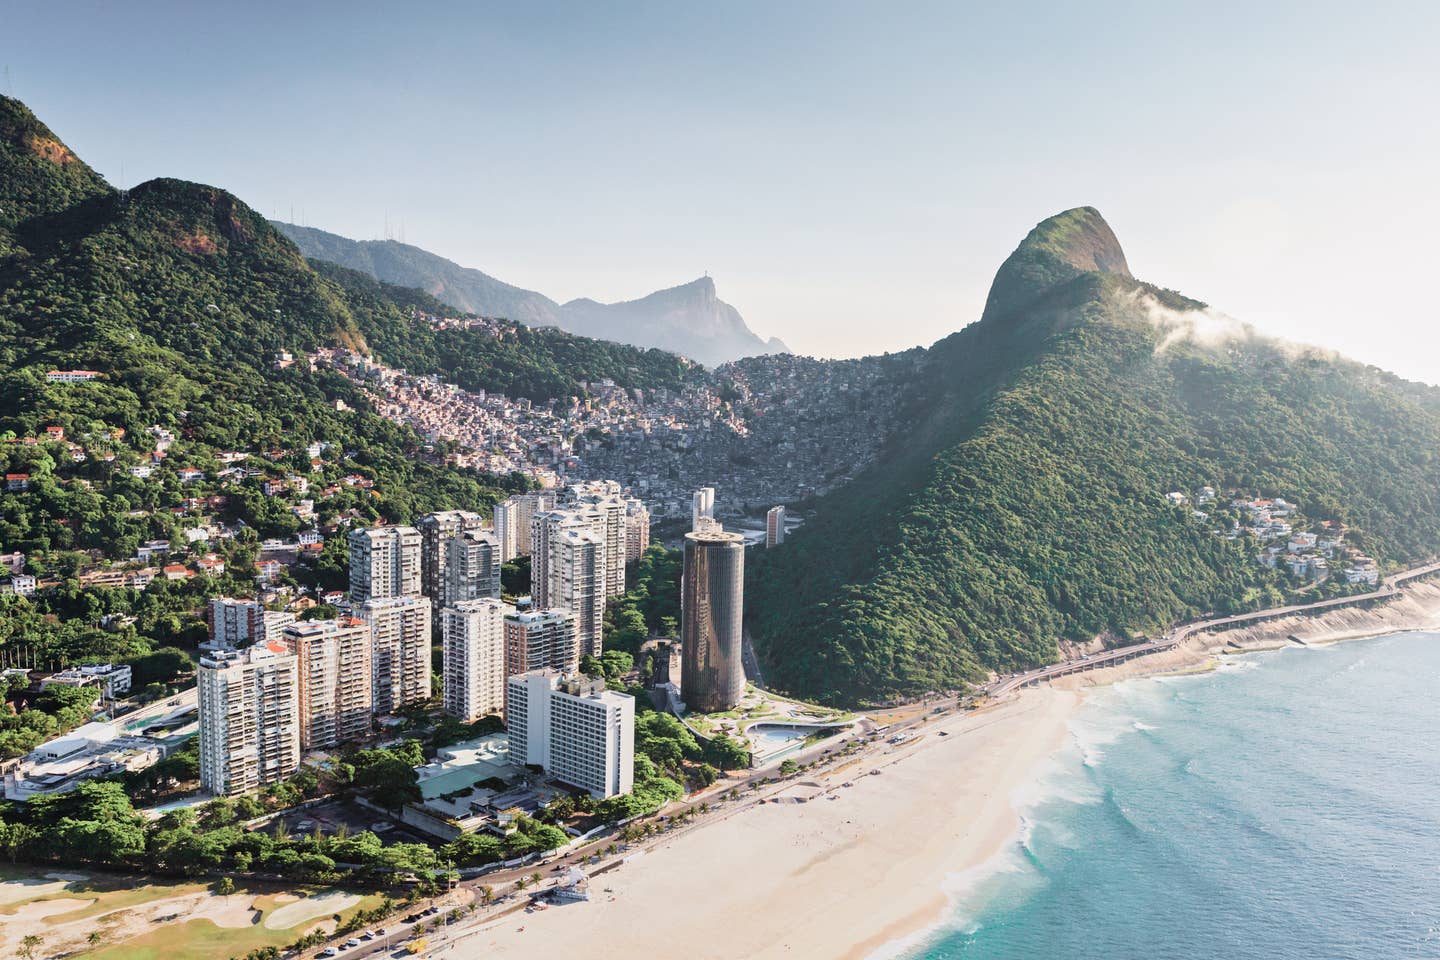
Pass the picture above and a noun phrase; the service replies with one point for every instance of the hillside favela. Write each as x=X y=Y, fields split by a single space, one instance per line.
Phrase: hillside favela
x=955 y=587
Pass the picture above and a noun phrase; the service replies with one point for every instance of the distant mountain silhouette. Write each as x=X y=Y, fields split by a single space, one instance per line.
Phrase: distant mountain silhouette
x=689 y=319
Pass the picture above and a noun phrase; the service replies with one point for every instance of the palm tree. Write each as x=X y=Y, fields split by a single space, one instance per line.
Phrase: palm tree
x=28 y=944
x=95 y=937
x=520 y=884
x=535 y=877
x=487 y=896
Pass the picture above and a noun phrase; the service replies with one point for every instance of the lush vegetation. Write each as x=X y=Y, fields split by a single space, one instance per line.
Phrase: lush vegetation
x=538 y=363
x=649 y=608
x=182 y=297
x=97 y=824
x=1026 y=504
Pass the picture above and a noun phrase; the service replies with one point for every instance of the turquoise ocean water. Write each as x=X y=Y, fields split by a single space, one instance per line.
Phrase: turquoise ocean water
x=1285 y=806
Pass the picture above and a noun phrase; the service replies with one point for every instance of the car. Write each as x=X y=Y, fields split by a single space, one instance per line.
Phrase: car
x=328 y=952
x=352 y=943
x=380 y=931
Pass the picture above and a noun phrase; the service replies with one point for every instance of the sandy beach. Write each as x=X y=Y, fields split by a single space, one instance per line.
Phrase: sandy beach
x=1417 y=608
x=826 y=878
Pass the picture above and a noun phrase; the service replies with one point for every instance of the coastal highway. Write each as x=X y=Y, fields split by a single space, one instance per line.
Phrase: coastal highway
x=1389 y=587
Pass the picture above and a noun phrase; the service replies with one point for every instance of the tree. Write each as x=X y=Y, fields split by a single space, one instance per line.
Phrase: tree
x=28 y=945
x=225 y=886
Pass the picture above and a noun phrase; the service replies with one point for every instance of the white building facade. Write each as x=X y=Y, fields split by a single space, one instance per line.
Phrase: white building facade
x=249 y=718
x=473 y=644
x=577 y=731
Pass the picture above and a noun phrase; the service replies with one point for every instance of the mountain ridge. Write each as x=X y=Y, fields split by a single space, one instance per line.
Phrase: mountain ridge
x=701 y=326
x=1026 y=502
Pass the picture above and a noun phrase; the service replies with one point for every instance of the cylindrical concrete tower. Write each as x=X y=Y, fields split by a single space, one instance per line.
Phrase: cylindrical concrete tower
x=712 y=590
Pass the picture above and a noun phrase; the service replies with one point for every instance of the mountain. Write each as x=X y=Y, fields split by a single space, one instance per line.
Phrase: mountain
x=180 y=297
x=689 y=319
x=1026 y=502
x=402 y=265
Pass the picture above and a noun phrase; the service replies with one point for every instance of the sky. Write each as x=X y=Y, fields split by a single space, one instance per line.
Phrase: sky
x=851 y=174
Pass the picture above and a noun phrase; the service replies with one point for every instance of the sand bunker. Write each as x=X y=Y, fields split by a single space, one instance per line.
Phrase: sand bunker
x=15 y=891
x=41 y=909
x=234 y=911
x=311 y=908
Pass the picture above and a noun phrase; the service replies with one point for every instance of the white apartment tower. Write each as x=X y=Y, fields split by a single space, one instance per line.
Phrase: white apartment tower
x=537 y=639
x=774 y=527
x=384 y=563
x=575 y=581
x=602 y=504
x=399 y=650
x=474 y=657
x=508 y=531
x=436 y=529
x=702 y=507
x=580 y=733
x=525 y=505
x=333 y=660
x=249 y=718
x=637 y=529
x=472 y=568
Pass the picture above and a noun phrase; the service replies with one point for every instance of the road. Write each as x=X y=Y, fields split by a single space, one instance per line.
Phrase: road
x=1389 y=587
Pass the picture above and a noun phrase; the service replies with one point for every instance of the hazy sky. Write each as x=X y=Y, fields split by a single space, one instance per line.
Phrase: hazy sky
x=851 y=174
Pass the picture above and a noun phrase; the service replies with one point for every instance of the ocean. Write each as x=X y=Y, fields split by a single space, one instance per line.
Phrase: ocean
x=1284 y=806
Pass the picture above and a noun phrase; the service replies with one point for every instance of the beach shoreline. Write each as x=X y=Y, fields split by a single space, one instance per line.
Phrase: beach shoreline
x=836 y=875
x=865 y=876
x=1416 y=608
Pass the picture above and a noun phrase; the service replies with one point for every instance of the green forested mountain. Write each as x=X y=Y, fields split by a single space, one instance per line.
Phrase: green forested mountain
x=1026 y=504
x=181 y=296
x=538 y=363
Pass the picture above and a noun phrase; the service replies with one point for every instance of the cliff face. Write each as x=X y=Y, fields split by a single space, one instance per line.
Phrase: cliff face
x=1060 y=248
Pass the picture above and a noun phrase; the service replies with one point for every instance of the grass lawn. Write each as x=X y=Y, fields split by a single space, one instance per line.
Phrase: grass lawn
x=203 y=940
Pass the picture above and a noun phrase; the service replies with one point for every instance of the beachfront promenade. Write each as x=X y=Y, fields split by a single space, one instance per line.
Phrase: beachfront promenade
x=1389 y=587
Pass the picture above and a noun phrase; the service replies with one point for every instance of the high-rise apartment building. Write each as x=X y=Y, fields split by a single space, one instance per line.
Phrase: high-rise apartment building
x=712 y=589
x=472 y=568
x=236 y=623
x=474 y=674
x=436 y=529
x=249 y=718
x=399 y=650
x=508 y=531
x=536 y=639
x=702 y=507
x=774 y=527
x=575 y=581
x=333 y=660
x=384 y=563
x=580 y=733
x=602 y=505
x=516 y=530
x=637 y=529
